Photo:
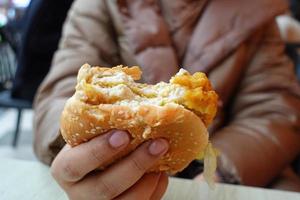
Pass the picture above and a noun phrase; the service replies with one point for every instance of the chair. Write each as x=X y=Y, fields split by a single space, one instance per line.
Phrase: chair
x=6 y=101
x=7 y=72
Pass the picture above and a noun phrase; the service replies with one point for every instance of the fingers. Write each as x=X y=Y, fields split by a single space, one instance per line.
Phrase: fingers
x=72 y=164
x=124 y=174
x=161 y=187
x=143 y=189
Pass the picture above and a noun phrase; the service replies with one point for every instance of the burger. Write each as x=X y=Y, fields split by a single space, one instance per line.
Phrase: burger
x=179 y=111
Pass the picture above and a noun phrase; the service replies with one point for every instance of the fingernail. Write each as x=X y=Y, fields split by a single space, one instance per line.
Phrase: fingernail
x=118 y=139
x=158 y=147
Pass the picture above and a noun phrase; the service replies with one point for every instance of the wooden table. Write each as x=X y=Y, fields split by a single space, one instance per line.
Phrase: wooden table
x=31 y=180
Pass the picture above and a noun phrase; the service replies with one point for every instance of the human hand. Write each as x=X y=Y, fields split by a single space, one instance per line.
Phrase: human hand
x=74 y=169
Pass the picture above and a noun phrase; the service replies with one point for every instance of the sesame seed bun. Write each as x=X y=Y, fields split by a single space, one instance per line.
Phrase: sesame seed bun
x=108 y=98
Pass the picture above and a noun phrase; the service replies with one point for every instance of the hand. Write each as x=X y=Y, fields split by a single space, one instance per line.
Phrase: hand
x=73 y=169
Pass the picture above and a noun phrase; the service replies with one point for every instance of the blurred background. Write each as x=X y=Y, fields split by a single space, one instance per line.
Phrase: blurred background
x=11 y=15
x=29 y=35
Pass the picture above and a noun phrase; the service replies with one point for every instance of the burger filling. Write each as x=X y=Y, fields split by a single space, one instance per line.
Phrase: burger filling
x=117 y=86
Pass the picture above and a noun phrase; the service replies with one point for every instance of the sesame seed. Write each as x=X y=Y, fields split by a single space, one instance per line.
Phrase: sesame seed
x=164 y=167
x=75 y=118
x=146 y=132
x=157 y=123
x=91 y=124
x=81 y=124
x=77 y=134
x=98 y=127
x=87 y=131
x=121 y=112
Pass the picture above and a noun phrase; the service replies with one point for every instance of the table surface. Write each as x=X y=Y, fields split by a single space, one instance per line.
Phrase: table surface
x=32 y=180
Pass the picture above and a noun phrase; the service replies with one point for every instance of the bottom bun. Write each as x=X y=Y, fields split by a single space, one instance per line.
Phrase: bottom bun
x=185 y=132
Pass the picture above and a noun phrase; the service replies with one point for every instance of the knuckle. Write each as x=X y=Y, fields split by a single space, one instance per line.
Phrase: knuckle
x=96 y=153
x=106 y=190
x=138 y=165
x=54 y=172
x=54 y=169
x=69 y=172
